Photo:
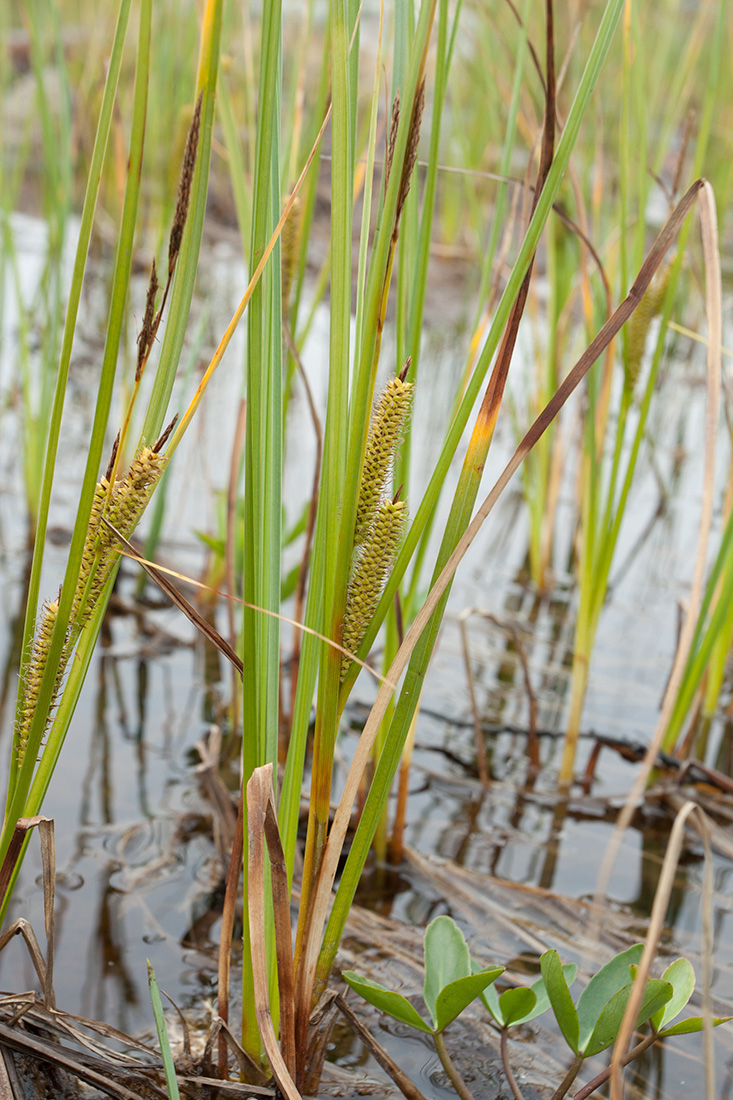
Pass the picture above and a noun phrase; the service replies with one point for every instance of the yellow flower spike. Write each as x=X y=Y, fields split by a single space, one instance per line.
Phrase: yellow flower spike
x=34 y=674
x=385 y=432
x=640 y=323
x=289 y=249
x=374 y=561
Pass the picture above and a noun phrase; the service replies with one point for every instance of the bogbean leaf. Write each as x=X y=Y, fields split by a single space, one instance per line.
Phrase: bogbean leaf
x=682 y=978
x=457 y=995
x=559 y=997
x=695 y=1023
x=516 y=1004
x=656 y=994
x=447 y=958
x=498 y=1007
x=490 y=997
x=569 y=970
x=394 y=1004
x=601 y=988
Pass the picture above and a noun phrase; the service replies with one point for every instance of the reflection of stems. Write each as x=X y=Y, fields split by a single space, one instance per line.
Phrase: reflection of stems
x=508 y=1073
x=569 y=1078
x=603 y=1076
x=455 y=1078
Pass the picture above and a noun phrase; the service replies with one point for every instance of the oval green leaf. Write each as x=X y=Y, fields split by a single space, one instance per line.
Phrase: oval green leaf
x=695 y=1023
x=491 y=1000
x=394 y=1004
x=517 y=1004
x=656 y=994
x=495 y=1004
x=559 y=997
x=570 y=972
x=457 y=995
x=682 y=978
x=446 y=959
x=600 y=989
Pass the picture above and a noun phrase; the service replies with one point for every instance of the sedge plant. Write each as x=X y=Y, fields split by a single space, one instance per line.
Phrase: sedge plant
x=333 y=566
x=60 y=632
x=618 y=402
x=340 y=539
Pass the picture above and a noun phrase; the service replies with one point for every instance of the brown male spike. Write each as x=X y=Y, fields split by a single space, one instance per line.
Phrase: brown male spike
x=184 y=186
x=148 y=328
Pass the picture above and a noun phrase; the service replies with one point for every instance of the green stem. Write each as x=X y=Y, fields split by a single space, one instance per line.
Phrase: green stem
x=569 y=1078
x=603 y=1076
x=508 y=1072
x=455 y=1078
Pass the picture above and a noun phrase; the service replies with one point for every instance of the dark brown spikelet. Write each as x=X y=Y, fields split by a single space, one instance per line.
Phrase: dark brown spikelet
x=147 y=332
x=113 y=457
x=392 y=137
x=184 y=186
x=158 y=447
x=411 y=155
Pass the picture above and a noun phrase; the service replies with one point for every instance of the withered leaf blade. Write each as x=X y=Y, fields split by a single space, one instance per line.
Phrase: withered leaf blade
x=176 y=597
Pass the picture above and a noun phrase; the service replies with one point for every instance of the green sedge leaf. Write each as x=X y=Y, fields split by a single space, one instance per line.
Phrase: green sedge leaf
x=656 y=994
x=695 y=1023
x=447 y=958
x=560 y=999
x=600 y=989
x=394 y=1004
x=457 y=995
x=215 y=544
x=682 y=978
x=289 y=582
x=290 y=534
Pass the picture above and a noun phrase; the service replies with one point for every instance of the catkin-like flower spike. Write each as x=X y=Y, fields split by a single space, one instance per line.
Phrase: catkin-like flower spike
x=413 y=141
x=289 y=249
x=640 y=323
x=394 y=123
x=130 y=495
x=123 y=505
x=371 y=571
x=148 y=328
x=34 y=674
x=96 y=538
x=385 y=432
x=184 y=186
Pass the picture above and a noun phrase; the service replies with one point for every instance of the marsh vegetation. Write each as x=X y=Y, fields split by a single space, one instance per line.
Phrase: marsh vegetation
x=365 y=485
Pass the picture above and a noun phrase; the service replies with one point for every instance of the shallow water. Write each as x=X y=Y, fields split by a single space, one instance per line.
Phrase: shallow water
x=137 y=873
